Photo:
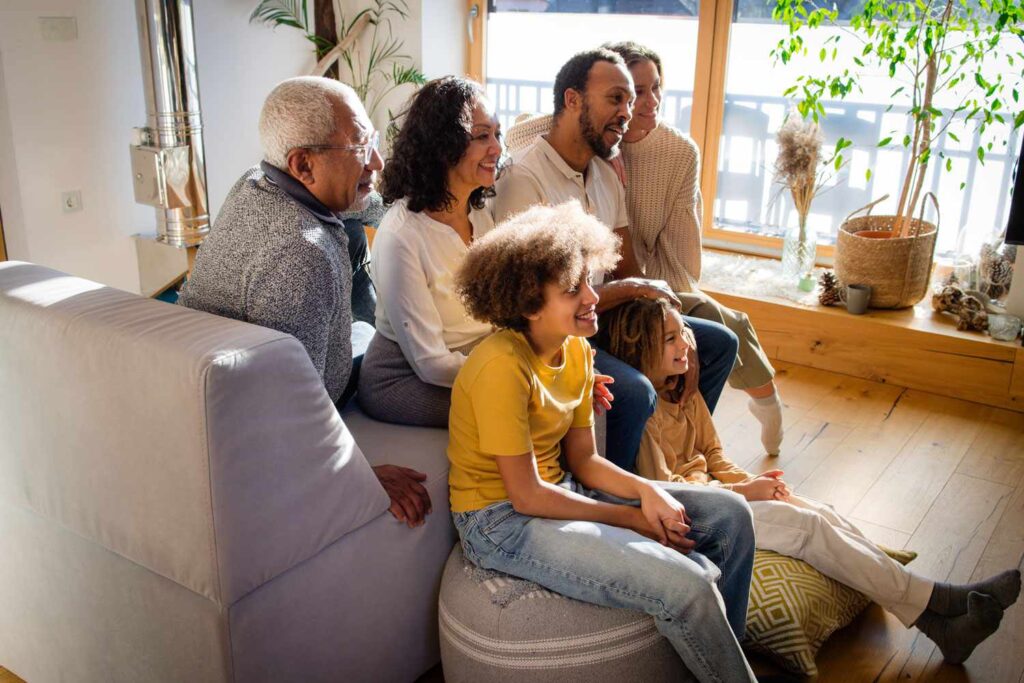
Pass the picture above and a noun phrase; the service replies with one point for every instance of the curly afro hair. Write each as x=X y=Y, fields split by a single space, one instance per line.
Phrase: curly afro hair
x=502 y=278
x=434 y=135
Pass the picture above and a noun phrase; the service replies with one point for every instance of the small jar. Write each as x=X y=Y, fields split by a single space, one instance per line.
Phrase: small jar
x=1003 y=327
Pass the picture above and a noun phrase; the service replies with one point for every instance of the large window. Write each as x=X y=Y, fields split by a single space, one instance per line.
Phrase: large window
x=746 y=201
x=723 y=87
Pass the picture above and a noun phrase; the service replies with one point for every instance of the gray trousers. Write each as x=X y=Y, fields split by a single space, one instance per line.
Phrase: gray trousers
x=390 y=391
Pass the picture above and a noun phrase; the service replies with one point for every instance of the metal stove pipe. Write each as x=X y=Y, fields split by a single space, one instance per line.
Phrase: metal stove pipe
x=168 y=162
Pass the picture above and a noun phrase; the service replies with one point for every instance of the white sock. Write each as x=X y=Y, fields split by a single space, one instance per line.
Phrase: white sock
x=768 y=412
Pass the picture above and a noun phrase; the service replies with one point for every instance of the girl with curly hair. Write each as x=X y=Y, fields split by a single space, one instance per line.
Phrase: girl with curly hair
x=443 y=166
x=593 y=532
x=680 y=444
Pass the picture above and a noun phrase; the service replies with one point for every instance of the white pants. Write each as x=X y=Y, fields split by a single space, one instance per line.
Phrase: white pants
x=818 y=535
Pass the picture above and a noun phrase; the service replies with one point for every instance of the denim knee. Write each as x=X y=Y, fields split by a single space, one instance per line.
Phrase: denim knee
x=737 y=518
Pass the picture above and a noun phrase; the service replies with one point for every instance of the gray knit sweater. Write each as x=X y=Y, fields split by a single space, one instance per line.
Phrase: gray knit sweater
x=271 y=261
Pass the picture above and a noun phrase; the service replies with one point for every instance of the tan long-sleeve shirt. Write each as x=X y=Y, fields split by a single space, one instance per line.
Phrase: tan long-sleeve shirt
x=680 y=444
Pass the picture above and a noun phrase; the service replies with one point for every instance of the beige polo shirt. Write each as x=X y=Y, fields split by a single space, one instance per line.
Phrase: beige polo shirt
x=539 y=175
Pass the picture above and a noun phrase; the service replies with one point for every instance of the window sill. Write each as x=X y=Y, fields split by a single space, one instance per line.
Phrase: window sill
x=913 y=347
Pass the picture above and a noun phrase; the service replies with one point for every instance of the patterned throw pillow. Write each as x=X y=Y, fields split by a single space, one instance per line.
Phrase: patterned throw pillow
x=794 y=608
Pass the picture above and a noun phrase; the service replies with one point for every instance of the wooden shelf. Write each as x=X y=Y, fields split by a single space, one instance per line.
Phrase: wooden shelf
x=913 y=347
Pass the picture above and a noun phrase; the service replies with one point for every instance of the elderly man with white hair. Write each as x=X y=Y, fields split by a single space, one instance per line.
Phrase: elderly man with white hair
x=277 y=255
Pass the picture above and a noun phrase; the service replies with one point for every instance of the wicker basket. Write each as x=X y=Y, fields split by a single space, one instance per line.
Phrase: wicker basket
x=897 y=268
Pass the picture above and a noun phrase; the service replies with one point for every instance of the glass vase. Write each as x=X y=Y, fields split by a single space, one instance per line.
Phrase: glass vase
x=799 y=249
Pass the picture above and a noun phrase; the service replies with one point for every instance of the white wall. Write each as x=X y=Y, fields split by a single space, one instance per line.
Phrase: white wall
x=443 y=37
x=67 y=110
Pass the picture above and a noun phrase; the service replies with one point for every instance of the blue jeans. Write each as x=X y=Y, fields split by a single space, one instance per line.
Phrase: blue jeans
x=636 y=399
x=616 y=567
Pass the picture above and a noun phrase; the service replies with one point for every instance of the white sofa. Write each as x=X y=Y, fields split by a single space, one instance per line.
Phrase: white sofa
x=179 y=501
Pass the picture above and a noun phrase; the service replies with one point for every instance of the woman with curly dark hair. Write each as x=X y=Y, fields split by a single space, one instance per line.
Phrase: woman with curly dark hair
x=441 y=171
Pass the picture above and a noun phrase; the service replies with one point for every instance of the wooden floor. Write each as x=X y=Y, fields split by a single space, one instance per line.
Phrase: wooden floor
x=913 y=470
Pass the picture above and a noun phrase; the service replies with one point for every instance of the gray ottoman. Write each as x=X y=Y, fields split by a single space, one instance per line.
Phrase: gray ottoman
x=497 y=628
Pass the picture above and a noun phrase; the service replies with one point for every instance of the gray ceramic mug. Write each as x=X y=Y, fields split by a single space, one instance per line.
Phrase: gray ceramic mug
x=857 y=298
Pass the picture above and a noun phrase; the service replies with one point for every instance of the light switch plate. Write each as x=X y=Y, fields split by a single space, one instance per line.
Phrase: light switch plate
x=58 y=29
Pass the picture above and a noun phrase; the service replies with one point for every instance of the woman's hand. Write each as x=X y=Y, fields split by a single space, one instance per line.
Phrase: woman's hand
x=765 y=486
x=666 y=517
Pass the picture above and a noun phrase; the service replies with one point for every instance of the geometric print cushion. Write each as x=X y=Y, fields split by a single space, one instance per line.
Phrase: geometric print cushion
x=794 y=609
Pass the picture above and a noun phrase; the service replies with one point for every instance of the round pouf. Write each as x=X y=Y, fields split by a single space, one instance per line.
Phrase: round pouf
x=497 y=628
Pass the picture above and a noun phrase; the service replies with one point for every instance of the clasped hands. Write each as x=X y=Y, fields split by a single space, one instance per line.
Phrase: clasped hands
x=663 y=518
x=765 y=486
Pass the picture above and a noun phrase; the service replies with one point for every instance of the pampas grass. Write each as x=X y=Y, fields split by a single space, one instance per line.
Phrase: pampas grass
x=796 y=167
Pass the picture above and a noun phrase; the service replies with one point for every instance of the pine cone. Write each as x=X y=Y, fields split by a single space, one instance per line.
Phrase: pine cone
x=829 y=285
x=1001 y=272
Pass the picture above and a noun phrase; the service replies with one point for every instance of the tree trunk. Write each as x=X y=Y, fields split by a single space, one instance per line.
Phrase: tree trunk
x=324 y=27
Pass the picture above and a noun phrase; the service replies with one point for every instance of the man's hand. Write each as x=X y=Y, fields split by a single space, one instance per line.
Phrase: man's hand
x=603 y=396
x=654 y=289
x=666 y=517
x=410 y=502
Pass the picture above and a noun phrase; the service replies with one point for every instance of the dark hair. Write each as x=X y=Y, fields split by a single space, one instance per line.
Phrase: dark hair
x=633 y=53
x=575 y=73
x=434 y=135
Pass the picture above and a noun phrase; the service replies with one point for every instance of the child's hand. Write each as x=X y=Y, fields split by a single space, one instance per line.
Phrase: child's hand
x=766 y=486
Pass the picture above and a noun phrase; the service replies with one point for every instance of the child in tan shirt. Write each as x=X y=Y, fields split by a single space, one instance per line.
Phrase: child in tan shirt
x=681 y=445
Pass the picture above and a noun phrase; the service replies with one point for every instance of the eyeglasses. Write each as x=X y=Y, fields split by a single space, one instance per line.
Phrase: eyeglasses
x=367 y=148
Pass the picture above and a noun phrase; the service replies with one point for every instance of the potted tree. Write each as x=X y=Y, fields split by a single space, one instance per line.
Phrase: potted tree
x=955 y=48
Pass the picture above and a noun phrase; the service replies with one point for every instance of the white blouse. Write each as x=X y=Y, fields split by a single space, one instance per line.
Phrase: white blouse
x=413 y=263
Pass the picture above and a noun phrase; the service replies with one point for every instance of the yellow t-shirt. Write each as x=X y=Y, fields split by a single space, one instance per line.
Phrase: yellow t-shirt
x=506 y=401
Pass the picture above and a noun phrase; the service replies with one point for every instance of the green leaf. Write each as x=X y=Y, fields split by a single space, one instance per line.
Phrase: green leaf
x=953 y=135
x=867 y=175
x=1018 y=120
x=981 y=155
x=884 y=141
x=963 y=185
x=906 y=141
x=821 y=55
x=949 y=164
x=839 y=161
